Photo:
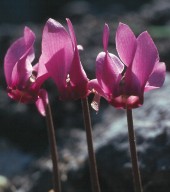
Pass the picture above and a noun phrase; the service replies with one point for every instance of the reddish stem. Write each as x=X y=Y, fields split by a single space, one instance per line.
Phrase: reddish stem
x=134 y=158
x=92 y=159
x=53 y=149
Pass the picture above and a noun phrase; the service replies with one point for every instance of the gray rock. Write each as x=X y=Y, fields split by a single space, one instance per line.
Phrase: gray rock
x=12 y=160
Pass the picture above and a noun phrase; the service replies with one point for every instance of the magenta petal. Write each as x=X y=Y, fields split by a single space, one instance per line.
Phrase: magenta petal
x=105 y=37
x=42 y=101
x=72 y=34
x=76 y=83
x=130 y=102
x=43 y=76
x=131 y=84
x=21 y=48
x=21 y=73
x=94 y=86
x=125 y=43
x=108 y=71
x=146 y=57
x=57 y=52
x=29 y=38
x=157 y=77
x=77 y=73
x=117 y=63
x=102 y=71
x=78 y=78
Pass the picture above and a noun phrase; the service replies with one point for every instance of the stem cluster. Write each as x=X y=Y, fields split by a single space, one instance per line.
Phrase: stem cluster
x=92 y=160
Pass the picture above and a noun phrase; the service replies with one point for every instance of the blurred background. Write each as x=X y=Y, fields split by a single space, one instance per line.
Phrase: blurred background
x=25 y=164
x=38 y=11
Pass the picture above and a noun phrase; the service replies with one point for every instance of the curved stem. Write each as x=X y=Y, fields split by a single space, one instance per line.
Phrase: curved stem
x=134 y=158
x=92 y=159
x=53 y=148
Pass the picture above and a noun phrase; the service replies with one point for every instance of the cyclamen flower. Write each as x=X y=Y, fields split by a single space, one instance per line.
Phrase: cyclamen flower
x=61 y=58
x=122 y=82
x=23 y=79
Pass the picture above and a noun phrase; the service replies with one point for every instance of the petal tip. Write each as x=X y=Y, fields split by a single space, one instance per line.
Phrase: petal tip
x=105 y=37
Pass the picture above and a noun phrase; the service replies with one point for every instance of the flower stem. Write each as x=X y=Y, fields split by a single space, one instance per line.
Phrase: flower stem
x=53 y=148
x=92 y=159
x=134 y=158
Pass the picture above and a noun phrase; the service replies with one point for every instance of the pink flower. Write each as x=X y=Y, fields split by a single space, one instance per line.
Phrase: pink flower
x=23 y=79
x=61 y=58
x=122 y=82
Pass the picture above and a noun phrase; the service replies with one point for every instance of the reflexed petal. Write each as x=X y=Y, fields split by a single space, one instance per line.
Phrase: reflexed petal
x=157 y=77
x=42 y=101
x=73 y=36
x=125 y=43
x=29 y=38
x=108 y=71
x=57 y=52
x=41 y=69
x=21 y=73
x=23 y=47
x=79 y=79
x=77 y=74
x=146 y=57
x=57 y=68
x=119 y=65
x=40 y=80
x=105 y=37
x=72 y=33
x=101 y=73
x=131 y=83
